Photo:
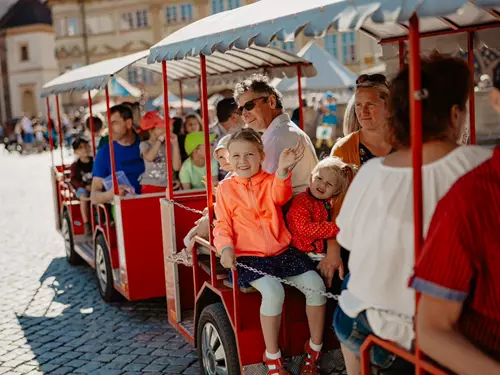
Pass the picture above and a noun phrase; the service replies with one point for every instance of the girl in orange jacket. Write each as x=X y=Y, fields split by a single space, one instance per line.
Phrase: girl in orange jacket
x=250 y=226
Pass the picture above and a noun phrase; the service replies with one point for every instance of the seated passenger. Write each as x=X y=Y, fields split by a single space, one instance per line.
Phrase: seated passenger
x=376 y=218
x=154 y=179
x=81 y=179
x=261 y=107
x=127 y=157
x=193 y=169
x=457 y=273
x=250 y=228
x=310 y=216
x=192 y=123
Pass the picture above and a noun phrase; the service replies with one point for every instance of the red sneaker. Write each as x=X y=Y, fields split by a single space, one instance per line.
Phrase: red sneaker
x=275 y=366
x=310 y=366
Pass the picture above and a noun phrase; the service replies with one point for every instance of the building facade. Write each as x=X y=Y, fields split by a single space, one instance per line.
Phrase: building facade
x=27 y=60
x=93 y=30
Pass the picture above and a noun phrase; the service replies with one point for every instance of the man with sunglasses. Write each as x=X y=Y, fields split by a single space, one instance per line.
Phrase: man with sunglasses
x=261 y=108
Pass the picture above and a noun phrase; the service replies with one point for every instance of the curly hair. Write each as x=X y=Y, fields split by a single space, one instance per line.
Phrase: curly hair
x=258 y=83
x=446 y=82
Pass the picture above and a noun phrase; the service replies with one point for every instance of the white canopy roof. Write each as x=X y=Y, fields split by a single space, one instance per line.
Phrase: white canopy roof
x=332 y=75
x=272 y=61
x=263 y=21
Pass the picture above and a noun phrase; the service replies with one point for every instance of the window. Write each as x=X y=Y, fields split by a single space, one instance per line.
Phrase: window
x=331 y=45
x=217 y=6
x=171 y=14
x=72 y=27
x=99 y=24
x=132 y=75
x=24 y=53
x=233 y=4
x=134 y=20
x=349 y=47
x=222 y=5
x=186 y=12
x=140 y=76
x=142 y=18
x=286 y=46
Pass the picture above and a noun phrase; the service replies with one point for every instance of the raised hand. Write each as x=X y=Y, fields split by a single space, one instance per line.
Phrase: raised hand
x=290 y=157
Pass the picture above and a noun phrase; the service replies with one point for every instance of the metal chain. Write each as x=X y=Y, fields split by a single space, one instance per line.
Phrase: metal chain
x=184 y=258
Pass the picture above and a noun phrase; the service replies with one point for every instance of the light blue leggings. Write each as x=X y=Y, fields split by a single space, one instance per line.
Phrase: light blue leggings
x=273 y=293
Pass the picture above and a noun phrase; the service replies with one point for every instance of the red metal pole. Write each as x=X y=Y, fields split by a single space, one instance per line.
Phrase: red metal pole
x=301 y=107
x=472 y=97
x=91 y=118
x=168 y=145
x=416 y=145
x=401 y=45
x=208 y=160
x=116 y=190
x=61 y=135
x=49 y=128
x=199 y=95
x=181 y=94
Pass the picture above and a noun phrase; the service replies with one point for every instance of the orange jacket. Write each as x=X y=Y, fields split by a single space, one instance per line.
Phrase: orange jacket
x=249 y=216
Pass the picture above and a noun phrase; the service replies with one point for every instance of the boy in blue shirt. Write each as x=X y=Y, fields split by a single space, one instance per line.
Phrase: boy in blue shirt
x=127 y=157
x=329 y=121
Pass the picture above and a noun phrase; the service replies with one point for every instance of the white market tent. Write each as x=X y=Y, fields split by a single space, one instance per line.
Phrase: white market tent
x=262 y=22
x=271 y=61
x=332 y=75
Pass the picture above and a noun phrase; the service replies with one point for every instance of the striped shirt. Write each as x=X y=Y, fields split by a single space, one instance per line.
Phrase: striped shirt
x=460 y=260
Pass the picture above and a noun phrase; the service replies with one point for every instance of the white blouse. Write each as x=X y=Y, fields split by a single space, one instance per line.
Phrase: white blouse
x=376 y=226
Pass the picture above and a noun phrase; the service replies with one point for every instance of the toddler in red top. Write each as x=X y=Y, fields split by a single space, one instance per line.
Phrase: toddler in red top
x=309 y=217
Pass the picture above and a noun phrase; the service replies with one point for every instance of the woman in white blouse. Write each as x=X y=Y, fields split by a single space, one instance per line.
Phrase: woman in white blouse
x=376 y=219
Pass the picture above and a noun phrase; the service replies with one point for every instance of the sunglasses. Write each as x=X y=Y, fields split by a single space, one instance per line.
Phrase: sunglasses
x=250 y=105
x=371 y=78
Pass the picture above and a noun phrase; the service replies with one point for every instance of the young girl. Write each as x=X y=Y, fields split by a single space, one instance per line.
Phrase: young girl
x=250 y=226
x=154 y=178
x=310 y=216
x=192 y=123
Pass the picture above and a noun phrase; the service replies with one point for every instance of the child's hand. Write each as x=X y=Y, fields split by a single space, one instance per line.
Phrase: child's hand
x=331 y=263
x=290 y=157
x=227 y=259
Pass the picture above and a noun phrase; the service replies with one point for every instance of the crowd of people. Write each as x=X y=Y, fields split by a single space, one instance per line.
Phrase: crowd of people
x=344 y=223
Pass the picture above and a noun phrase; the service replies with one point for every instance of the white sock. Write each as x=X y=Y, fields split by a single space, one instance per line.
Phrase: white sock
x=273 y=356
x=316 y=348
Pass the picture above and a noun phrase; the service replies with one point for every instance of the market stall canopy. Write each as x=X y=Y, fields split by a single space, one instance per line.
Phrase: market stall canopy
x=118 y=87
x=264 y=21
x=332 y=75
x=175 y=101
x=271 y=61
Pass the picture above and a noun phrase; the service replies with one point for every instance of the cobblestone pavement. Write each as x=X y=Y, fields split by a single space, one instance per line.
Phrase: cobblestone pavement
x=52 y=320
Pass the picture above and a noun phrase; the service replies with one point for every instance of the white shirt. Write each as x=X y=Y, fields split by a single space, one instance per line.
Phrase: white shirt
x=376 y=226
x=283 y=133
x=27 y=125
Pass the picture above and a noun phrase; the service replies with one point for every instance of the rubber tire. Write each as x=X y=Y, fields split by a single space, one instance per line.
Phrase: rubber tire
x=216 y=314
x=110 y=294
x=71 y=256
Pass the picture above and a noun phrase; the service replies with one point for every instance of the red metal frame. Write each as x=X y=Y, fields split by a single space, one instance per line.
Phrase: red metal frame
x=208 y=159
x=116 y=190
x=61 y=135
x=91 y=120
x=168 y=145
x=181 y=95
x=301 y=106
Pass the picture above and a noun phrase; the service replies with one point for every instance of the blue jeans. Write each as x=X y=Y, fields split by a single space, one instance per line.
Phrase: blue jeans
x=353 y=332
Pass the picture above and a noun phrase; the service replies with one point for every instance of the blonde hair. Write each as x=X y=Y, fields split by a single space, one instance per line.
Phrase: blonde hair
x=247 y=135
x=344 y=173
x=351 y=123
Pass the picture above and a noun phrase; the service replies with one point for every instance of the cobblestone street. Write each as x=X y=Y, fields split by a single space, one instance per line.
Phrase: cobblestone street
x=52 y=319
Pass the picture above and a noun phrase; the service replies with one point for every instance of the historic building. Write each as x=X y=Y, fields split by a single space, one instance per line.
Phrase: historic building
x=27 y=61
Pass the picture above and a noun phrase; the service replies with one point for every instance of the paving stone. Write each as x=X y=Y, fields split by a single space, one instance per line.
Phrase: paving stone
x=89 y=367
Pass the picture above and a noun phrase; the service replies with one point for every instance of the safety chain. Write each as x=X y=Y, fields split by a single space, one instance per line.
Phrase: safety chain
x=183 y=257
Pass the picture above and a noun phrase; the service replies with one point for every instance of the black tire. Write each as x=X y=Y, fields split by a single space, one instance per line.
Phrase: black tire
x=215 y=324
x=69 y=243
x=104 y=270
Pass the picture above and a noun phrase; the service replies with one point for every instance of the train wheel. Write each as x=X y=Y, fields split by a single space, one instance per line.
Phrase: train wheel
x=69 y=244
x=216 y=343
x=104 y=270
